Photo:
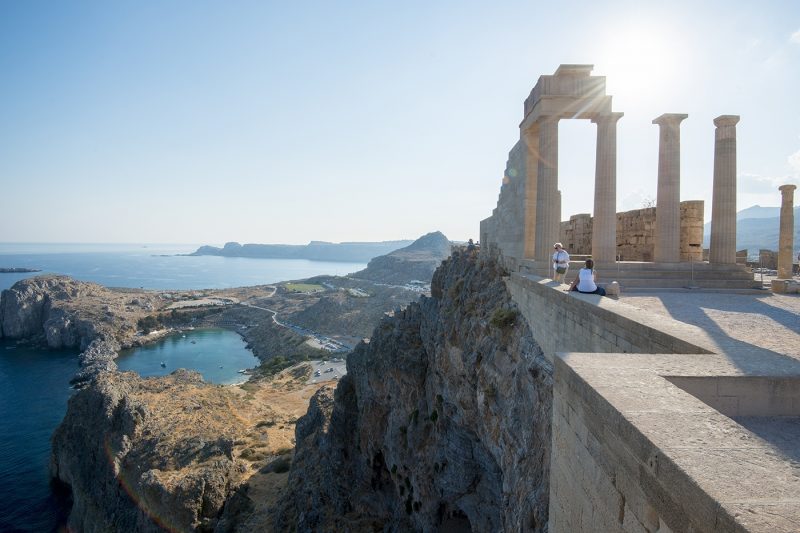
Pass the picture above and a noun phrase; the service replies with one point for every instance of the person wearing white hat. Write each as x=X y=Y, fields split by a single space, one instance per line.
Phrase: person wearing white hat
x=560 y=262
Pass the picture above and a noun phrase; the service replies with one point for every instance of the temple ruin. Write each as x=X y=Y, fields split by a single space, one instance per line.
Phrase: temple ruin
x=665 y=253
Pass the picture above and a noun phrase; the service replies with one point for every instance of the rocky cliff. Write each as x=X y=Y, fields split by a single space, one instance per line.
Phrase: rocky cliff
x=442 y=423
x=61 y=312
x=415 y=262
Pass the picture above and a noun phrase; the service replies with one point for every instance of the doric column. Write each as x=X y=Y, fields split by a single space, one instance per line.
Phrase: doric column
x=547 y=206
x=668 y=202
x=723 y=207
x=786 y=238
x=604 y=227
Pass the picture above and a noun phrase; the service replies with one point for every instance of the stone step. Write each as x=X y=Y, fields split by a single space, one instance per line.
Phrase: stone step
x=668 y=274
x=639 y=283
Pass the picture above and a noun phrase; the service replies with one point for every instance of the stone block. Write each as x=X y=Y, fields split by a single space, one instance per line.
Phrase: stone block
x=612 y=289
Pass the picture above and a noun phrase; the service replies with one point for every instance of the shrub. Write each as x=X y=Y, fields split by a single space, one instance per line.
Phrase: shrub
x=503 y=318
x=281 y=464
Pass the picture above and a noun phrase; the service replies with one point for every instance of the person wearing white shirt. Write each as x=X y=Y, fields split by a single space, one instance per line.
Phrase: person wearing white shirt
x=560 y=262
x=585 y=281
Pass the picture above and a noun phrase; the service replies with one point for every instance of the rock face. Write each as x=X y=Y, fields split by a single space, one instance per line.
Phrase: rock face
x=66 y=313
x=442 y=422
x=109 y=452
x=415 y=262
x=31 y=308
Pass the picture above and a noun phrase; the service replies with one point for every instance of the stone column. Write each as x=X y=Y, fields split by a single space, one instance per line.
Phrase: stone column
x=547 y=205
x=668 y=208
x=723 y=207
x=604 y=227
x=786 y=238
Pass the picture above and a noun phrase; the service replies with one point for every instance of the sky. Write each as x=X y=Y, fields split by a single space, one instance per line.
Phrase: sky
x=285 y=122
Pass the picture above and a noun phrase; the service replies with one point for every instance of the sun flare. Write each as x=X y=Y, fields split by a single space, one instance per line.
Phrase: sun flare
x=640 y=62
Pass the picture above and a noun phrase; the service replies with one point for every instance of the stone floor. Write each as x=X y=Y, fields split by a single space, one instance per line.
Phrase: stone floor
x=767 y=321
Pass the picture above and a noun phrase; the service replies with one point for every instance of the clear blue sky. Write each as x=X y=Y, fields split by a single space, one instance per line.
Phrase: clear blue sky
x=284 y=122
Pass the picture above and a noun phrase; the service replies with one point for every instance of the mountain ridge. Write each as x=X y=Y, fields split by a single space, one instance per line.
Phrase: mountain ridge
x=313 y=251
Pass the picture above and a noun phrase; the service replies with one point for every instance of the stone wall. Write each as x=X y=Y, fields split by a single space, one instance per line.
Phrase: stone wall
x=573 y=322
x=635 y=233
x=505 y=229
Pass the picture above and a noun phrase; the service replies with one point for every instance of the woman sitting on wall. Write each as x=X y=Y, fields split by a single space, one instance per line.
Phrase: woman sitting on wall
x=585 y=281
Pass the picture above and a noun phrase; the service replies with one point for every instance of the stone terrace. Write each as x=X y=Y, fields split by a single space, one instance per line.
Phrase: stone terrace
x=679 y=442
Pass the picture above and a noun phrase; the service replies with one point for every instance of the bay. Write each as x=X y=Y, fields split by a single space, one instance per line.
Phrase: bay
x=34 y=383
x=218 y=354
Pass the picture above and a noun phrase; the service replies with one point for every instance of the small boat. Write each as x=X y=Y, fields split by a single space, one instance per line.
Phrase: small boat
x=220 y=366
x=163 y=364
x=242 y=371
x=193 y=342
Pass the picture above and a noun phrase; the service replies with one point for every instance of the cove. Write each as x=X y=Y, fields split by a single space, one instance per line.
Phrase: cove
x=218 y=354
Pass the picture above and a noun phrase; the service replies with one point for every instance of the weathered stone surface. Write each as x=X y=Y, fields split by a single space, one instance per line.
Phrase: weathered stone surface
x=65 y=313
x=124 y=475
x=443 y=420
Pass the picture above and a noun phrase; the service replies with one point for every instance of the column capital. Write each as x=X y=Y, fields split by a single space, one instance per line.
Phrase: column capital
x=612 y=117
x=726 y=120
x=670 y=118
x=787 y=188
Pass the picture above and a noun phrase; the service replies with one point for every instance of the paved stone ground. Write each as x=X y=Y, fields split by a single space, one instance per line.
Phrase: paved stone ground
x=768 y=321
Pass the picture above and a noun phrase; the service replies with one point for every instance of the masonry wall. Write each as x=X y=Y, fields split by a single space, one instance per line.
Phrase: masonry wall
x=636 y=233
x=604 y=474
x=601 y=477
x=573 y=322
x=505 y=229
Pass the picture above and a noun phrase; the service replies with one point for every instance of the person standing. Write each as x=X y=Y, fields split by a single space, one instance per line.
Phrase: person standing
x=560 y=262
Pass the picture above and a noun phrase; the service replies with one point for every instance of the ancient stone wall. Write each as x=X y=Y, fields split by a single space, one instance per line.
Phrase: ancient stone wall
x=571 y=322
x=636 y=233
x=505 y=229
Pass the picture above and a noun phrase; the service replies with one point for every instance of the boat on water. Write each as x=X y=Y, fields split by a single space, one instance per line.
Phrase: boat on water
x=194 y=342
x=163 y=364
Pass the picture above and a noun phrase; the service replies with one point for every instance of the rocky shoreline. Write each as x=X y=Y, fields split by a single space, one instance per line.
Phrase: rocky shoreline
x=441 y=422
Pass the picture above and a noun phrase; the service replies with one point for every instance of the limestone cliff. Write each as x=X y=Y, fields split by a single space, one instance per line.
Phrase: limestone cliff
x=65 y=313
x=169 y=453
x=415 y=262
x=443 y=420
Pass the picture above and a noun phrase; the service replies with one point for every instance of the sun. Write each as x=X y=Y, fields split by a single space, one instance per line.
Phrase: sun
x=640 y=62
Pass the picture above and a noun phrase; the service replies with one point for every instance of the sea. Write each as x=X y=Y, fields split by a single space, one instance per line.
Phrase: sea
x=34 y=383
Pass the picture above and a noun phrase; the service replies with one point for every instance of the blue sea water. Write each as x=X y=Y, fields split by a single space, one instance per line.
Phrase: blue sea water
x=156 y=266
x=34 y=384
x=218 y=354
x=34 y=389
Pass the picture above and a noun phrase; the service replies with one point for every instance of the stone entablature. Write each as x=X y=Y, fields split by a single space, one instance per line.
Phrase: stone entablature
x=636 y=233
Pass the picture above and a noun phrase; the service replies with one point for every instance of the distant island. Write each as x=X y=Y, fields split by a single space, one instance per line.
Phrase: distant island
x=18 y=270
x=356 y=252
